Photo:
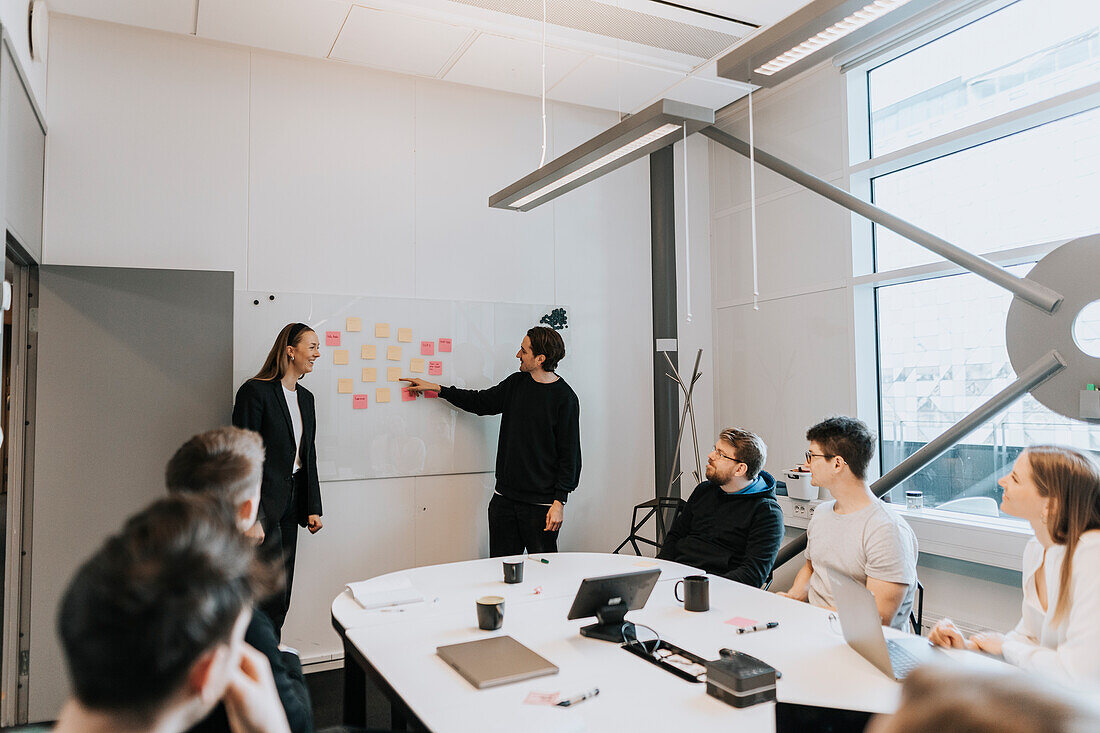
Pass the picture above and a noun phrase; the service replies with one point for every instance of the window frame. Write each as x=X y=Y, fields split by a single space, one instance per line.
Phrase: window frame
x=990 y=541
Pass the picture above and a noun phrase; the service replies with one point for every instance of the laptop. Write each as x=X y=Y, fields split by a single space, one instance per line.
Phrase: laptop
x=495 y=661
x=862 y=628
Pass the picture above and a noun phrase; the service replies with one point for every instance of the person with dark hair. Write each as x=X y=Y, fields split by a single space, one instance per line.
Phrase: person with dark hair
x=152 y=626
x=539 y=447
x=226 y=465
x=1057 y=490
x=855 y=533
x=274 y=405
x=732 y=524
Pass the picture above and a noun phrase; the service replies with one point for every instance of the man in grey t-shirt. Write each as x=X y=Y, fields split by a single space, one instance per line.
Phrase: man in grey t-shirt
x=855 y=534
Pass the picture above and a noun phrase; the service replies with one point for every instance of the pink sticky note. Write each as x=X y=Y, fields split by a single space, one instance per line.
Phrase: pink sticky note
x=427 y=348
x=359 y=402
x=542 y=698
x=741 y=621
x=332 y=338
x=435 y=368
x=430 y=394
x=406 y=395
x=444 y=346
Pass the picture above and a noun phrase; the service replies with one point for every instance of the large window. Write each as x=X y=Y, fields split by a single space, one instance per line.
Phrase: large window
x=1029 y=178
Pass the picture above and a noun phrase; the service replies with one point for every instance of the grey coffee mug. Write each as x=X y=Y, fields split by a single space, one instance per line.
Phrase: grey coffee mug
x=513 y=572
x=490 y=612
x=696 y=592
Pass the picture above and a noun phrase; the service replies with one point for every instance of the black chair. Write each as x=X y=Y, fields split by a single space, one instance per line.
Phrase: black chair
x=916 y=619
x=656 y=508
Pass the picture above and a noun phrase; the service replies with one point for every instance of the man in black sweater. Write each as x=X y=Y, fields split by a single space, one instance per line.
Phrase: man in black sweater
x=539 y=448
x=732 y=524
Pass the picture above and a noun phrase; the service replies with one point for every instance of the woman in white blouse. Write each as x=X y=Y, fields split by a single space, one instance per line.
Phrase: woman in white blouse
x=1057 y=490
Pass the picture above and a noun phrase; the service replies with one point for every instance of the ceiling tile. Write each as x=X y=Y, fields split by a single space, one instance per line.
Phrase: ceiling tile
x=398 y=42
x=705 y=92
x=511 y=65
x=174 y=16
x=303 y=27
x=611 y=84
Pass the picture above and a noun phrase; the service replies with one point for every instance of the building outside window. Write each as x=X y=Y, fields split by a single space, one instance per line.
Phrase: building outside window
x=995 y=128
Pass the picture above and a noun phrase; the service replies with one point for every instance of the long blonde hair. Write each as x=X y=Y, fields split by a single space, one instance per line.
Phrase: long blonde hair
x=278 y=363
x=1071 y=479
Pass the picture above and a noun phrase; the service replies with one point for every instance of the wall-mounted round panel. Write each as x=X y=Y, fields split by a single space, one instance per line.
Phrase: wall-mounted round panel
x=1074 y=271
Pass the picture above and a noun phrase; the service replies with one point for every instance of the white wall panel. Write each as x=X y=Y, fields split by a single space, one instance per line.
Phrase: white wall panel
x=451 y=517
x=366 y=533
x=784 y=368
x=147 y=153
x=802 y=240
x=330 y=178
x=603 y=272
x=470 y=144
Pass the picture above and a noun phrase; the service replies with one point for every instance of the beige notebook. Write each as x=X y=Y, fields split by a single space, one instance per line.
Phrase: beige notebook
x=495 y=661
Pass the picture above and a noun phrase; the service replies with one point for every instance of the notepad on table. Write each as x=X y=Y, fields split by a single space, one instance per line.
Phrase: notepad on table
x=377 y=593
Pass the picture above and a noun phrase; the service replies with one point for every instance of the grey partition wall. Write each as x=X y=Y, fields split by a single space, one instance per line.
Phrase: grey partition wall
x=131 y=363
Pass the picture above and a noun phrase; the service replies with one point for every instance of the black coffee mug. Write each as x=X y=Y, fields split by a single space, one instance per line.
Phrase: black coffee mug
x=513 y=572
x=696 y=592
x=490 y=612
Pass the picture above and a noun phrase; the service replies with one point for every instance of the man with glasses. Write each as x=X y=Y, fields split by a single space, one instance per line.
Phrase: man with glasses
x=854 y=534
x=732 y=524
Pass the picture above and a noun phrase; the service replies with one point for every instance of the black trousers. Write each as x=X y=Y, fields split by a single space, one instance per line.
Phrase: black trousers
x=515 y=526
x=280 y=546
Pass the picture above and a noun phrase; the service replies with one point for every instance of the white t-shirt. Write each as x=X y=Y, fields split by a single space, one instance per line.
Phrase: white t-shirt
x=871 y=542
x=296 y=421
x=1067 y=651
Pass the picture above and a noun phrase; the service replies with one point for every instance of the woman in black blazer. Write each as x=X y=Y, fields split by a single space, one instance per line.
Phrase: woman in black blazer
x=273 y=404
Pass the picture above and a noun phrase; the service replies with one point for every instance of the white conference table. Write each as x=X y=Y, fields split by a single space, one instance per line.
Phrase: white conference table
x=397 y=651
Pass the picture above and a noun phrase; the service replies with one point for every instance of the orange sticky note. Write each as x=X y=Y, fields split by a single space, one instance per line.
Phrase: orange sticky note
x=393 y=353
x=430 y=394
x=340 y=356
x=406 y=395
x=435 y=368
x=367 y=351
x=370 y=374
x=359 y=402
x=444 y=346
x=393 y=374
x=405 y=335
x=332 y=338
x=343 y=386
x=427 y=348
x=381 y=330
x=382 y=394
x=416 y=366
x=354 y=324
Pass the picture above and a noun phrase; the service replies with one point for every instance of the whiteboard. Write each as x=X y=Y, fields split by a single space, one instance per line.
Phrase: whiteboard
x=421 y=437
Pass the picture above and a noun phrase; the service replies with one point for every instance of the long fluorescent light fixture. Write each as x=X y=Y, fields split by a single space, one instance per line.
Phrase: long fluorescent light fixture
x=638 y=135
x=781 y=50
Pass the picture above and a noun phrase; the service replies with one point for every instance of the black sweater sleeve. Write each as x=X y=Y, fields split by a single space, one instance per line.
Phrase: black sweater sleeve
x=568 y=449
x=478 y=401
x=765 y=536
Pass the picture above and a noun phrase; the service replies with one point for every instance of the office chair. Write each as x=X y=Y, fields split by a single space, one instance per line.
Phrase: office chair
x=916 y=620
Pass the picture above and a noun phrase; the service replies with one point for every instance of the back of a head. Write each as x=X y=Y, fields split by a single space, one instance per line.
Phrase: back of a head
x=226 y=463
x=848 y=438
x=945 y=699
x=142 y=609
x=548 y=343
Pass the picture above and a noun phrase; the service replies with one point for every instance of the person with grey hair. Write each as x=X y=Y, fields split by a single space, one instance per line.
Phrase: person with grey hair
x=732 y=524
